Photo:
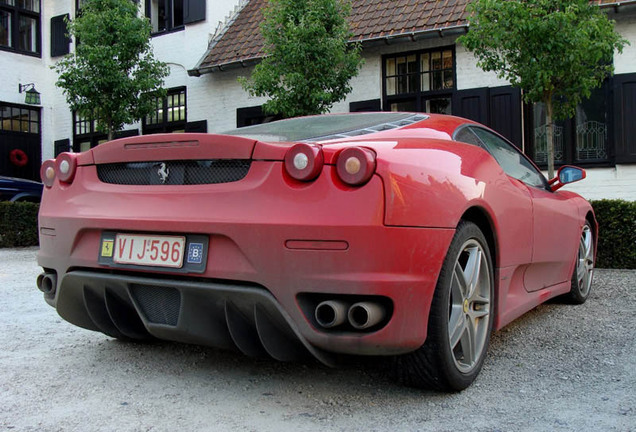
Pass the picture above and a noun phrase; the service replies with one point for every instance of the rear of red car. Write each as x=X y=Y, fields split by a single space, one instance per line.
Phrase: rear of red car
x=278 y=249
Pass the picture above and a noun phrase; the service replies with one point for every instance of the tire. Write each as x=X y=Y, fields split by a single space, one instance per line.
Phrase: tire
x=583 y=268
x=450 y=360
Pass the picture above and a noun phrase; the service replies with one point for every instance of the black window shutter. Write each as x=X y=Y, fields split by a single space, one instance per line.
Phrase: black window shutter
x=200 y=126
x=471 y=104
x=62 y=146
x=193 y=11
x=59 y=38
x=505 y=112
x=624 y=115
x=371 y=105
x=127 y=133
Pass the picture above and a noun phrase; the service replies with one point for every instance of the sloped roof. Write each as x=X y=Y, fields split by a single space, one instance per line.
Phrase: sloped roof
x=241 y=42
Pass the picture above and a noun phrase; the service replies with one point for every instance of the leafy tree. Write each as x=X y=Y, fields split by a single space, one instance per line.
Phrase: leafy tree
x=557 y=51
x=308 y=60
x=112 y=77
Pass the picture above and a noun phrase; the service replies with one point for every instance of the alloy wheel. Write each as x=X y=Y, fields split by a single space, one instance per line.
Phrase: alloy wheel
x=469 y=306
x=585 y=262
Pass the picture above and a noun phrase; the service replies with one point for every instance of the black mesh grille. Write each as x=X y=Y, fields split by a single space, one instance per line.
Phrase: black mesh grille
x=160 y=305
x=184 y=172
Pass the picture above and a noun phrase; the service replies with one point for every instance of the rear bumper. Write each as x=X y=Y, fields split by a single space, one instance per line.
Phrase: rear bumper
x=269 y=242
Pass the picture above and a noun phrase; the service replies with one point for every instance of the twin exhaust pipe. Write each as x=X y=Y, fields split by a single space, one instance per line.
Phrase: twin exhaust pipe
x=361 y=315
x=47 y=283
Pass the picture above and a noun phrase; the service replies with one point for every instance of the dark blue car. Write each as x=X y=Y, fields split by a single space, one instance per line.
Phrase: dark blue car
x=15 y=189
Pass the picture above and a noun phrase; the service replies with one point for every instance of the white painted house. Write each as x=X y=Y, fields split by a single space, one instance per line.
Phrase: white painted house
x=412 y=63
x=33 y=38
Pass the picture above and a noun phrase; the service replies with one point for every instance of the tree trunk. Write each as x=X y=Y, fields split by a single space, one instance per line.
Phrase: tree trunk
x=111 y=133
x=549 y=136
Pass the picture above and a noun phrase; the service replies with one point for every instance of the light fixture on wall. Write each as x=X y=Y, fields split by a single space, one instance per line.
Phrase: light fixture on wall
x=32 y=95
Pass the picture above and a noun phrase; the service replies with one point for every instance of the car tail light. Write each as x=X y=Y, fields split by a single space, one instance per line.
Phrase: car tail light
x=355 y=165
x=47 y=172
x=304 y=162
x=66 y=164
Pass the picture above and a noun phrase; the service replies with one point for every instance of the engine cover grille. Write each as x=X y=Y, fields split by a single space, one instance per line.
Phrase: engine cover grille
x=181 y=172
x=160 y=305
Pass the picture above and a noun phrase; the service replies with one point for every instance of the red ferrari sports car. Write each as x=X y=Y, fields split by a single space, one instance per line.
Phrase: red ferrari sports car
x=404 y=235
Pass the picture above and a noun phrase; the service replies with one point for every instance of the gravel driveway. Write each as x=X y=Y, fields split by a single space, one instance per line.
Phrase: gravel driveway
x=560 y=367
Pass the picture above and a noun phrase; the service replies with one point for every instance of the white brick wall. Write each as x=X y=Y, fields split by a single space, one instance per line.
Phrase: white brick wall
x=626 y=62
x=604 y=183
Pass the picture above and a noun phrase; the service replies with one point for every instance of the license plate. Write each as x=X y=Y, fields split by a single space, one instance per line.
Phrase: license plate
x=149 y=250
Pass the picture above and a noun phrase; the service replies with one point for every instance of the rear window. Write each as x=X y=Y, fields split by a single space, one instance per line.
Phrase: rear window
x=320 y=128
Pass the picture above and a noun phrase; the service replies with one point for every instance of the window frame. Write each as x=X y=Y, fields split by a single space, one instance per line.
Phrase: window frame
x=569 y=135
x=169 y=18
x=90 y=133
x=93 y=137
x=29 y=121
x=418 y=96
x=165 y=126
x=16 y=13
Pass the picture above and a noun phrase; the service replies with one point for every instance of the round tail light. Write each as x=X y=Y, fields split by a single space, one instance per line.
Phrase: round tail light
x=355 y=165
x=304 y=162
x=66 y=164
x=47 y=172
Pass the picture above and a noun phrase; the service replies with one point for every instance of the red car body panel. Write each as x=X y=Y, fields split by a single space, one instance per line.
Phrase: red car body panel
x=387 y=238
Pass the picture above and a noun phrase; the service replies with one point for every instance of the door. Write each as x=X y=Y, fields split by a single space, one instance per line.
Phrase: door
x=555 y=239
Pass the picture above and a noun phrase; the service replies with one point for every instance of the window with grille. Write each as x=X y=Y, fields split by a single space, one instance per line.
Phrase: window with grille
x=15 y=118
x=170 y=114
x=423 y=81
x=581 y=139
x=20 y=26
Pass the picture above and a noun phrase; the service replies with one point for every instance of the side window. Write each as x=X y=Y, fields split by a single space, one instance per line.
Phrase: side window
x=510 y=159
x=466 y=135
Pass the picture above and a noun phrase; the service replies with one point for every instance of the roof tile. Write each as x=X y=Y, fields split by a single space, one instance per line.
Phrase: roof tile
x=370 y=19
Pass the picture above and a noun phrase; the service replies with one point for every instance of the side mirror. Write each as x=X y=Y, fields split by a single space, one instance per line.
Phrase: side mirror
x=566 y=174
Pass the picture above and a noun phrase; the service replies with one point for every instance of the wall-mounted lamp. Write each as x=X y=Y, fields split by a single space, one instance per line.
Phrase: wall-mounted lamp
x=32 y=95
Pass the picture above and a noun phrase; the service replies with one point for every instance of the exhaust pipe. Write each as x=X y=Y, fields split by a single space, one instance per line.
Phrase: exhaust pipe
x=365 y=314
x=331 y=313
x=47 y=283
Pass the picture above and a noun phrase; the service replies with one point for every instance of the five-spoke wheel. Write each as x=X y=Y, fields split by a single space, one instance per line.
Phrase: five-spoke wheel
x=469 y=306
x=460 y=320
x=584 y=268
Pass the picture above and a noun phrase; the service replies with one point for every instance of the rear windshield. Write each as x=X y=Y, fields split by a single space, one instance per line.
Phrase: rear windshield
x=320 y=128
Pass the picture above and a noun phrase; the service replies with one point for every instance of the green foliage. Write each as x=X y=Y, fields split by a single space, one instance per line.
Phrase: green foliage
x=112 y=76
x=617 y=233
x=557 y=51
x=18 y=224
x=560 y=49
x=308 y=60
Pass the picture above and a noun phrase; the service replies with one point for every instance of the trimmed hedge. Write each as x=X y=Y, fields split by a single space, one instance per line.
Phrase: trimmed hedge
x=18 y=224
x=616 y=219
x=617 y=233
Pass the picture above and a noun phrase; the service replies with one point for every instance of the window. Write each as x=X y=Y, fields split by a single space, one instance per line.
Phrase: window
x=20 y=26
x=85 y=133
x=170 y=114
x=86 y=136
x=583 y=139
x=511 y=160
x=19 y=119
x=422 y=81
x=172 y=15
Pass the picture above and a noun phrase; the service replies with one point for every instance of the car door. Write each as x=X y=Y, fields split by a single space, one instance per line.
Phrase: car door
x=512 y=203
x=554 y=216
